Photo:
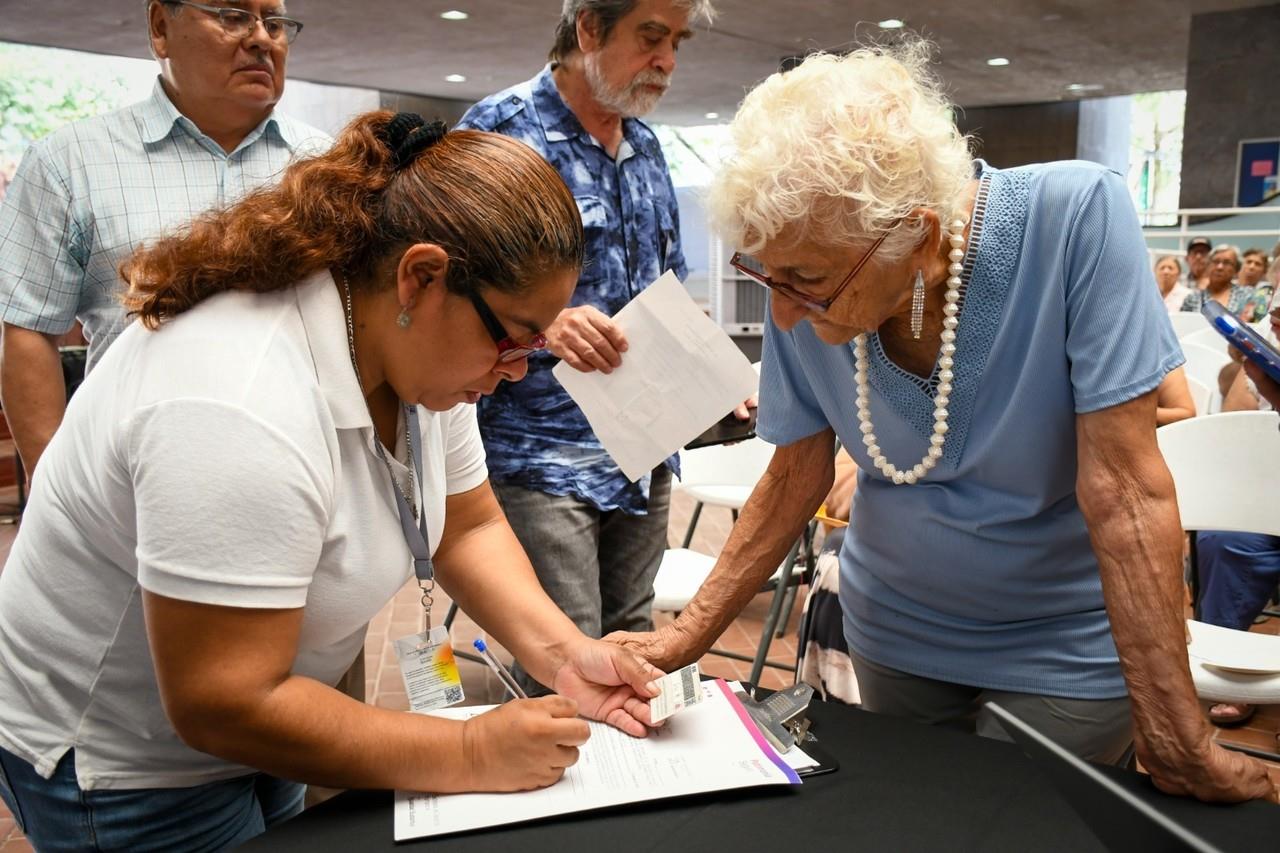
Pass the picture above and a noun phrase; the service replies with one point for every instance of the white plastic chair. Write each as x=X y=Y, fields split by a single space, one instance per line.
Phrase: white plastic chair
x=1205 y=337
x=1201 y=395
x=1222 y=486
x=1187 y=322
x=722 y=475
x=1204 y=365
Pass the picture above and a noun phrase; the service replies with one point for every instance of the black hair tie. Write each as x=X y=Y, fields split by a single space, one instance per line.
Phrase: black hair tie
x=408 y=135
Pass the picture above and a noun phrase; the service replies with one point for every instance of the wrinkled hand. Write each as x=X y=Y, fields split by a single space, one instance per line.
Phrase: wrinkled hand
x=609 y=684
x=586 y=340
x=1210 y=773
x=665 y=648
x=524 y=744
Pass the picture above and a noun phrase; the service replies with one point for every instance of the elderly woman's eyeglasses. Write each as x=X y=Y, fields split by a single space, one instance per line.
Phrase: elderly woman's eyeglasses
x=749 y=266
x=509 y=349
x=239 y=23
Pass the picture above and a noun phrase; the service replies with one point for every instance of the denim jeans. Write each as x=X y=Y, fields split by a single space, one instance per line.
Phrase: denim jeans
x=57 y=815
x=1238 y=573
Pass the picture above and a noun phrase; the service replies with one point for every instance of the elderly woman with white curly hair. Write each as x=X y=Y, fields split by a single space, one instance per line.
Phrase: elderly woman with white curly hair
x=987 y=343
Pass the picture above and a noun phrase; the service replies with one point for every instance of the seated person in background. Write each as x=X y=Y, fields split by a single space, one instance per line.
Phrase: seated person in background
x=1169 y=277
x=256 y=468
x=1224 y=263
x=1238 y=571
x=1198 y=263
x=1173 y=398
x=1256 y=307
x=1253 y=264
x=824 y=655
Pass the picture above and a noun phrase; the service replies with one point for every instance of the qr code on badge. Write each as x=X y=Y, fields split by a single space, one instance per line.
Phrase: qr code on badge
x=452 y=695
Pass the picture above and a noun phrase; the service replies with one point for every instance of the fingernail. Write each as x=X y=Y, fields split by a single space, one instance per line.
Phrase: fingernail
x=652 y=687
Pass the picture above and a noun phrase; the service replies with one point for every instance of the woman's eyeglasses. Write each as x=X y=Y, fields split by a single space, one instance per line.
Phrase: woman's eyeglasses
x=509 y=349
x=749 y=266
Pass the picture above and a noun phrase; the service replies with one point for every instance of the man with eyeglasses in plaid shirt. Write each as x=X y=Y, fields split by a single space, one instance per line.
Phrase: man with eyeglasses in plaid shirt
x=89 y=194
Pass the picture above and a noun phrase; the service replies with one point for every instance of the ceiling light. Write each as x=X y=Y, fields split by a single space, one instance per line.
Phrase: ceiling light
x=454 y=15
x=455 y=78
x=997 y=60
x=1084 y=87
x=891 y=24
x=713 y=115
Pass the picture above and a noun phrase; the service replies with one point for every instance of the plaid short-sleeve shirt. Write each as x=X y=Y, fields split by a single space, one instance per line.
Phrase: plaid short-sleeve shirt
x=86 y=196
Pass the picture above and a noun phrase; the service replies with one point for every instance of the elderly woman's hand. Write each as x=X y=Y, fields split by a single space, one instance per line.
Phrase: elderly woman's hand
x=666 y=648
x=1212 y=774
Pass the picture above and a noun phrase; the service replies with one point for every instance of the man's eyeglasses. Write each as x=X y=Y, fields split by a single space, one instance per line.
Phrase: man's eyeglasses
x=239 y=23
x=509 y=349
x=749 y=266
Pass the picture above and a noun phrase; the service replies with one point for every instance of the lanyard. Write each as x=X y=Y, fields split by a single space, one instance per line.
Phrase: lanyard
x=415 y=529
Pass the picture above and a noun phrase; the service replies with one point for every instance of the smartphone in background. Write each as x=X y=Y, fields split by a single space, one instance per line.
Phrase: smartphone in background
x=1244 y=338
x=726 y=430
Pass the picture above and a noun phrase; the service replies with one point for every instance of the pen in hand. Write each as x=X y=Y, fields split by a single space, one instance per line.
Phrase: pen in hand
x=504 y=675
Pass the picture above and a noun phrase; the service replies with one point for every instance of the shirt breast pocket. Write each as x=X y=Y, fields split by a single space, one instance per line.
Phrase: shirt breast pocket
x=595 y=231
x=665 y=226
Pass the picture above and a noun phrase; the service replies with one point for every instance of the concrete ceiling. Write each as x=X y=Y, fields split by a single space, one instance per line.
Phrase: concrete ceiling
x=402 y=45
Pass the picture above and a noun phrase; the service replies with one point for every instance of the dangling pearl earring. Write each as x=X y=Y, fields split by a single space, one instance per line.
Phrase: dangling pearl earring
x=403 y=319
x=917 y=306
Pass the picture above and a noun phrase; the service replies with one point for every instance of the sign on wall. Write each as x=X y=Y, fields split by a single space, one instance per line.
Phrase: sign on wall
x=1257 y=171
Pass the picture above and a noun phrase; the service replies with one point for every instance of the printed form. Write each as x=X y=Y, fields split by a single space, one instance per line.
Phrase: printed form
x=680 y=374
x=710 y=746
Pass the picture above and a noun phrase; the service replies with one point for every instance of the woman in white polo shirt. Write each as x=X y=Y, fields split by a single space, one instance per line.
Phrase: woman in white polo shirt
x=253 y=471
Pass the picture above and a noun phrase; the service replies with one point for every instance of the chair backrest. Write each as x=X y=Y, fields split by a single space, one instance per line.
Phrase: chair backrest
x=1224 y=469
x=1201 y=394
x=1187 y=322
x=1204 y=364
x=740 y=464
x=1205 y=337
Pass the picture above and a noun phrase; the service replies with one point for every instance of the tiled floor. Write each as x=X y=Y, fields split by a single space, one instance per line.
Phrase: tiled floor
x=401 y=616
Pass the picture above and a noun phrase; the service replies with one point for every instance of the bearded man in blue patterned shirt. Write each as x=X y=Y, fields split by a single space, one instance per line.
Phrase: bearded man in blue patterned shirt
x=594 y=537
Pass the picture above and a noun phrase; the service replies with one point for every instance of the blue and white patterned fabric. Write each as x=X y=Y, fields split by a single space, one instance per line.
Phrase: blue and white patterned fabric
x=1237 y=300
x=86 y=196
x=537 y=437
x=983 y=574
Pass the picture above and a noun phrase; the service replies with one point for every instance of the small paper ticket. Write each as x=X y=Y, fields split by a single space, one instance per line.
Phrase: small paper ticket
x=679 y=690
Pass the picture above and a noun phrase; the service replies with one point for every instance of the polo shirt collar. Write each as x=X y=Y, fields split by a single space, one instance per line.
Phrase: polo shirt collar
x=159 y=116
x=325 y=323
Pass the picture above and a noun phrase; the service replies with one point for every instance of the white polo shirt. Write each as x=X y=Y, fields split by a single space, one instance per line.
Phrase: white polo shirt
x=225 y=459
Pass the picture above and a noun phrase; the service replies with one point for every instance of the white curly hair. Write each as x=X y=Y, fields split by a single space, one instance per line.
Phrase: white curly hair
x=839 y=150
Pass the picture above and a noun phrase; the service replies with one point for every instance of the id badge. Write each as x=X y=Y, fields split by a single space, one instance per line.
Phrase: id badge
x=429 y=670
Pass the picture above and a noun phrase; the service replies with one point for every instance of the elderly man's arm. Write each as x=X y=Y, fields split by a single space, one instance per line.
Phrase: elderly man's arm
x=1127 y=497
x=32 y=390
x=791 y=490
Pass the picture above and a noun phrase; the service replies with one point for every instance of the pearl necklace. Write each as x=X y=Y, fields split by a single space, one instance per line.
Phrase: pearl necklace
x=950 y=309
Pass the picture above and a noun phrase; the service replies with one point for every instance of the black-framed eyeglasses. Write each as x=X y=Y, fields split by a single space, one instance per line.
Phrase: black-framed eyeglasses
x=239 y=23
x=749 y=266
x=509 y=349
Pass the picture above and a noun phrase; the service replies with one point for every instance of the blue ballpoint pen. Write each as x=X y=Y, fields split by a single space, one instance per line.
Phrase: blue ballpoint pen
x=504 y=675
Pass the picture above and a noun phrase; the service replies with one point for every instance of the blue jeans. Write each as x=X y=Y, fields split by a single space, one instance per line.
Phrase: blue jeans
x=57 y=816
x=1238 y=573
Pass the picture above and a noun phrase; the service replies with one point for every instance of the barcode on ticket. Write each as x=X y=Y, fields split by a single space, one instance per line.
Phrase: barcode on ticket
x=679 y=690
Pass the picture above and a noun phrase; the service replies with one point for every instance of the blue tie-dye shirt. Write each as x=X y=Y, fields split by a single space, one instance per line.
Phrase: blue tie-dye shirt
x=534 y=434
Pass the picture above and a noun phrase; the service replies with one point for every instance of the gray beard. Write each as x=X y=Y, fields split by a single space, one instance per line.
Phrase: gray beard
x=629 y=101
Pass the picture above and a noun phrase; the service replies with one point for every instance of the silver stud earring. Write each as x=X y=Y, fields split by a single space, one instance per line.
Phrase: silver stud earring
x=403 y=319
x=917 y=306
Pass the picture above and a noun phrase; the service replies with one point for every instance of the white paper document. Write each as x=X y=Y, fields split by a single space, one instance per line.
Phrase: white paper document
x=680 y=374
x=710 y=746
x=1236 y=651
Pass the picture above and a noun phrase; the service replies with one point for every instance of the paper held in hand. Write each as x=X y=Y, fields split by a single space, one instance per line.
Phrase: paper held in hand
x=680 y=689
x=680 y=374
x=711 y=746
